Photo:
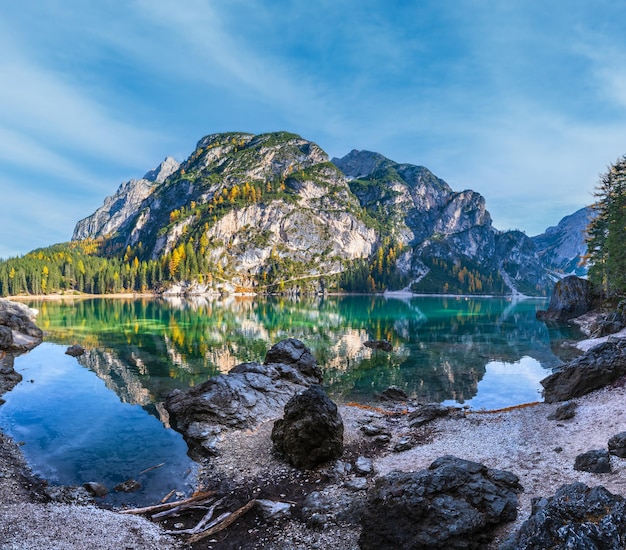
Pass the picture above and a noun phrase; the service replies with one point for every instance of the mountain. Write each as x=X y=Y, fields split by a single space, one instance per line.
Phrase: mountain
x=562 y=247
x=269 y=212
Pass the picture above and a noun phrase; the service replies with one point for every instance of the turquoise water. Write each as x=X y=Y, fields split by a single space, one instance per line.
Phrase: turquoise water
x=99 y=417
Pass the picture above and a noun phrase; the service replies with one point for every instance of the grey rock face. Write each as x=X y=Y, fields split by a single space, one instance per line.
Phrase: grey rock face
x=595 y=462
x=595 y=369
x=454 y=504
x=311 y=431
x=571 y=297
x=250 y=393
x=20 y=321
x=617 y=445
x=575 y=517
x=562 y=247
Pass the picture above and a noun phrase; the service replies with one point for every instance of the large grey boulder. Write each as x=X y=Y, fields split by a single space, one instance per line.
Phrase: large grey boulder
x=311 y=432
x=575 y=517
x=571 y=297
x=617 y=445
x=455 y=504
x=20 y=320
x=597 y=368
x=249 y=394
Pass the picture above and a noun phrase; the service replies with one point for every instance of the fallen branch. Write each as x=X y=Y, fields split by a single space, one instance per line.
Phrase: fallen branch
x=151 y=468
x=228 y=520
x=168 y=496
x=204 y=522
x=186 y=503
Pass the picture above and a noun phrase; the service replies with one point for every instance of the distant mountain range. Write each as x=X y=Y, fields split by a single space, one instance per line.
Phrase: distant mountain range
x=272 y=211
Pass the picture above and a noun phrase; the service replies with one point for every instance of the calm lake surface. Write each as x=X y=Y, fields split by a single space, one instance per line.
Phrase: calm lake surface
x=99 y=417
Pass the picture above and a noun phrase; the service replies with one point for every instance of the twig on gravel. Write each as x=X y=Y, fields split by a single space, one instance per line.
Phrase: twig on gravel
x=223 y=524
x=186 y=503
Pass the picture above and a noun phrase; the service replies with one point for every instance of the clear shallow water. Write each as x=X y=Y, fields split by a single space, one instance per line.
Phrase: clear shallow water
x=99 y=418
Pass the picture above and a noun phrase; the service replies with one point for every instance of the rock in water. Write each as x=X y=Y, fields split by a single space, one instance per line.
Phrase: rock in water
x=75 y=351
x=311 y=431
x=595 y=369
x=571 y=297
x=455 y=504
x=575 y=517
x=249 y=394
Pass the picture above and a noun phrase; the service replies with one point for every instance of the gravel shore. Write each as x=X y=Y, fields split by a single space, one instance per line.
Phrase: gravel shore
x=521 y=440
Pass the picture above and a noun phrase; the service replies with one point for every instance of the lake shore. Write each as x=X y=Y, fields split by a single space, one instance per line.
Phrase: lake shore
x=519 y=439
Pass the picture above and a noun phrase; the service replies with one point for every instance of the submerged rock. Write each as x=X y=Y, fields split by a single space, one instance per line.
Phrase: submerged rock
x=249 y=394
x=597 y=368
x=455 y=504
x=311 y=431
x=575 y=517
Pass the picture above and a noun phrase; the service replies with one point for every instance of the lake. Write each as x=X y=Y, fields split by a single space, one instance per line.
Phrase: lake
x=99 y=417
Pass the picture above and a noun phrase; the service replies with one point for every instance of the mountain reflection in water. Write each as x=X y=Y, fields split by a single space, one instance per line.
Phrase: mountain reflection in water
x=443 y=346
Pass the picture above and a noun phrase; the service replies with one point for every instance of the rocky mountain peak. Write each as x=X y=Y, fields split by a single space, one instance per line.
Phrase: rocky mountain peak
x=162 y=171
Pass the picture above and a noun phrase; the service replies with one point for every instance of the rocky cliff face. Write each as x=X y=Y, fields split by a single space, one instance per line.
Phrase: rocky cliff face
x=255 y=207
x=123 y=205
x=562 y=247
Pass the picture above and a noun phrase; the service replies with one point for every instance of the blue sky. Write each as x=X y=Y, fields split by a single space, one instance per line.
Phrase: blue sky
x=523 y=101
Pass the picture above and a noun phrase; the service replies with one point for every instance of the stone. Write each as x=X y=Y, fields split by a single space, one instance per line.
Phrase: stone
x=96 y=489
x=617 y=445
x=575 y=517
x=595 y=462
x=75 y=351
x=403 y=444
x=364 y=466
x=571 y=297
x=393 y=393
x=600 y=366
x=311 y=431
x=564 y=412
x=249 y=394
x=273 y=510
x=454 y=504
x=372 y=430
x=323 y=507
x=356 y=484
x=424 y=414
x=384 y=345
x=128 y=486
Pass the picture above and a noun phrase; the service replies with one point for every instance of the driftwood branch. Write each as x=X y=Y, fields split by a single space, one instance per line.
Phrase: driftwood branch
x=168 y=496
x=227 y=521
x=186 y=503
x=204 y=522
x=151 y=468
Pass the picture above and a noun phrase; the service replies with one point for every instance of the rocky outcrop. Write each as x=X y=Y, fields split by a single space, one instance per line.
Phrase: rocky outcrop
x=454 y=504
x=124 y=205
x=20 y=333
x=249 y=394
x=571 y=297
x=311 y=431
x=597 y=368
x=575 y=517
x=562 y=247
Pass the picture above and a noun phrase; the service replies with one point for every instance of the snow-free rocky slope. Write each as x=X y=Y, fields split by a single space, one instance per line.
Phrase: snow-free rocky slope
x=258 y=206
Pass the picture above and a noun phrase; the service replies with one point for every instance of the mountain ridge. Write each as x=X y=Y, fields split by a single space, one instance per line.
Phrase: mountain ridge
x=260 y=209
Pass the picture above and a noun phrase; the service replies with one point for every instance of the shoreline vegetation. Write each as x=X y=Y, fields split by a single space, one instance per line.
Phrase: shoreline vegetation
x=520 y=439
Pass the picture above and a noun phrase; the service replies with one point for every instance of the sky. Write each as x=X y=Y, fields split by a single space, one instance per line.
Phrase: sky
x=523 y=101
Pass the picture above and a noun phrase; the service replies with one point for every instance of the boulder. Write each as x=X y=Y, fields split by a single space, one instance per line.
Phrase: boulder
x=571 y=297
x=600 y=366
x=424 y=414
x=564 y=412
x=595 y=462
x=575 y=517
x=393 y=393
x=75 y=350
x=311 y=432
x=19 y=319
x=454 y=504
x=249 y=394
x=617 y=445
